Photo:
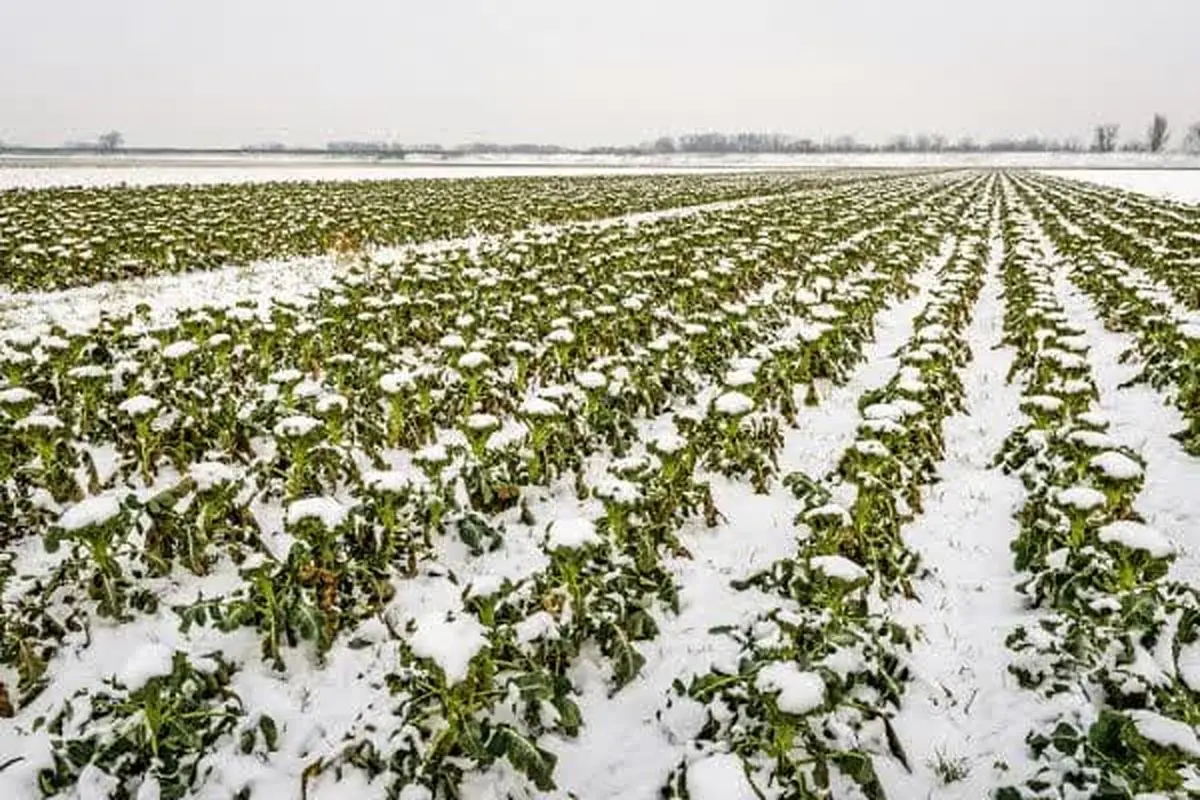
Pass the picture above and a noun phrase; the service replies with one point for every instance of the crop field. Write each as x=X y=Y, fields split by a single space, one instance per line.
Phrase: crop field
x=722 y=487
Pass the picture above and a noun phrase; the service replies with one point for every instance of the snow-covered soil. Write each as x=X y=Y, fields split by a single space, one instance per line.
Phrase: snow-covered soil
x=1173 y=184
x=504 y=518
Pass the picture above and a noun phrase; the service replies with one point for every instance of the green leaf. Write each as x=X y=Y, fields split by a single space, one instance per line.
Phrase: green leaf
x=860 y=769
x=894 y=744
x=534 y=762
x=270 y=733
x=569 y=717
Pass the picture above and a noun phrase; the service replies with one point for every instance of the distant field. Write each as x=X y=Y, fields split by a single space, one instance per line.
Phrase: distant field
x=92 y=170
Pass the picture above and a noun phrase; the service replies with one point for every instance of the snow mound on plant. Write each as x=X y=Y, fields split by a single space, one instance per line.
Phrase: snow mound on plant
x=329 y=511
x=572 y=533
x=91 y=512
x=1116 y=466
x=449 y=643
x=1137 y=536
x=719 y=777
x=1165 y=731
x=151 y=660
x=799 y=692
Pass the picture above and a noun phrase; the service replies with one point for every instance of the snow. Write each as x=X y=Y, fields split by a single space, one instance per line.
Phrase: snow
x=668 y=443
x=181 y=349
x=536 y=626
x=138 y=405
x=433 y=454
x=1182 y=185
x=16 y=395
x=1139 y=417
x=1136 y=536
x=93 y=169
x=387 y=481
x=798 y=691
x=733 y=404
x=90 y=512
x=962 y=702
x=95 y=784
x=1189 y=665
x=1165 y=731
x=395 y=382
x=209 y=474
x=737 y=378
x=473 y=360
x=1043 y=402
x=540 y=407
x=829 y=511
x=1080 y=498
x=838 y=568
x=150 y=660
x=572 y=534
x=47 y=422
x=591 y=380
x=483 y=422
x=1116 y=466
x=719 y=777
x=296 y=426
x=449 y=643
x=327 y=510
x=149 y=789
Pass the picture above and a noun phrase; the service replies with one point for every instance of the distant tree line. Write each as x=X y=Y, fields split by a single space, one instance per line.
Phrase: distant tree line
x=1104 y=140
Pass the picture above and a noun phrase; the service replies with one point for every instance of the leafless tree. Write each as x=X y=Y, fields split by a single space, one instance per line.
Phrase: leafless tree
x=1191 y=142
x=1106 y=138
x=1157 y=135
x=110 y=141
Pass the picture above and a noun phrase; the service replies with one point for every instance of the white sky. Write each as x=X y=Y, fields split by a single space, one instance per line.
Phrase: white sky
x=235 y=72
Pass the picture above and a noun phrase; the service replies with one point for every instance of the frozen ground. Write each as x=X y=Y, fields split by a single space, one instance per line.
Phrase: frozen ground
x=1182 y=185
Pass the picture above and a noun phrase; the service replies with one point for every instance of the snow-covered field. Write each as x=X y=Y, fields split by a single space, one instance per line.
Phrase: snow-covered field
x=93 y=170
x=876 y=488
x=1182 y=185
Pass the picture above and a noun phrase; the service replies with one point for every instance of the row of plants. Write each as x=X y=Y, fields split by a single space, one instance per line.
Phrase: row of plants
x=820 y=675
x=1110 y=649
x=76 y=236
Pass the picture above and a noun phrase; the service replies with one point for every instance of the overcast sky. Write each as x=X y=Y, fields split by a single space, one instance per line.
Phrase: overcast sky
x=234 y=72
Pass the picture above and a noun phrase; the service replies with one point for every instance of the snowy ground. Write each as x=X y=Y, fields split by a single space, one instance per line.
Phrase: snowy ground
x=1182 y=185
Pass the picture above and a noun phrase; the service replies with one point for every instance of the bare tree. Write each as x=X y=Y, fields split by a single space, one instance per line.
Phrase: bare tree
x=1106 y=138
x=110 y=141
x=1158 y=134
x=1191 y=142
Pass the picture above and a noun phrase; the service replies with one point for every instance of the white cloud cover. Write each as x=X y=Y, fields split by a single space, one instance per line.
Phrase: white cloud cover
x=232 y=72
